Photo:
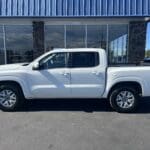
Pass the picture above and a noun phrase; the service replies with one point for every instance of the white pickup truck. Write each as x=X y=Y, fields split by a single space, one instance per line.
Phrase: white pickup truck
x=73 y=73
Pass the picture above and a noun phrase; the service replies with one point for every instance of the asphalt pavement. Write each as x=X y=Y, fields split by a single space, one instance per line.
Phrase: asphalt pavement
x=74 y=125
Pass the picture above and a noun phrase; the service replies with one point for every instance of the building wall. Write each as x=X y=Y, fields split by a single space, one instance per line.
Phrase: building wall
x=74 y=8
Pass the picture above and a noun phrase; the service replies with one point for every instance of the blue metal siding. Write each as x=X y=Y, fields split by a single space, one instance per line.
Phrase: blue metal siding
x=74 y=8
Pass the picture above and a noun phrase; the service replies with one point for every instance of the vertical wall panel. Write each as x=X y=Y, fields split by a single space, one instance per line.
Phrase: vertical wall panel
x=103 y=8
x=42 y=7
x=115 y=7
x=148 y=7
x=133 y=6
x=20 y=10
x=9 y=7
x=54 y=8
x=26 y=7
x=70 y=7
x=88 y=8
x=127 y=8
x=31 y=7
x=138 y=7
x=36 y=5
x=97 y=8
x=145 y=8
x=65 y=8
x=59 y=8
x=110 y=7
x=48 y=8
x=121 y=7
x=0 y=7
x=81 y=7
x=93 y=7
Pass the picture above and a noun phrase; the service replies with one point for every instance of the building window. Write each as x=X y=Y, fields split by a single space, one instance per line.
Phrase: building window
x=19 y=40
x=19 y=43
x=75 y=36
x=2 y=57
x=54 y=37
x=118 y=44
x=97 y=36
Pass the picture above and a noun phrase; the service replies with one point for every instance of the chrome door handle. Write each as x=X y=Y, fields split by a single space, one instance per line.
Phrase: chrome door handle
x=65 y=73
x=96 y=73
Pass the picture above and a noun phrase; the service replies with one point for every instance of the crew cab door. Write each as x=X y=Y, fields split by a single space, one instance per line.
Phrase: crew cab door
x=87 y=75
x=52 y=80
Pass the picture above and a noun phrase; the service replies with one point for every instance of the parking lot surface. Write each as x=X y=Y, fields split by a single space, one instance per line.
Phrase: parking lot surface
x=74 y=125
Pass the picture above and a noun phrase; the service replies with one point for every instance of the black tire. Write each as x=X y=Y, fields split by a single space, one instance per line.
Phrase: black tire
x=19 y=97
x=113 y=99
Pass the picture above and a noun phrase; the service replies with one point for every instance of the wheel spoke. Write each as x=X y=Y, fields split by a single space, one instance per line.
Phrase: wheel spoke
x=6 y=104
x=13 y=97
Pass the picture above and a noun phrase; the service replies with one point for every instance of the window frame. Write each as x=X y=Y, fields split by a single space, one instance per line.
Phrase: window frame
x=70 y=62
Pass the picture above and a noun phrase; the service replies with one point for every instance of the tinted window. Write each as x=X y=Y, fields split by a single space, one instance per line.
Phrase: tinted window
x=55 y=60
x=85 y=59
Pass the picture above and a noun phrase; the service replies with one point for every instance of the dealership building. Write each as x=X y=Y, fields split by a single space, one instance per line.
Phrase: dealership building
x=29 y=28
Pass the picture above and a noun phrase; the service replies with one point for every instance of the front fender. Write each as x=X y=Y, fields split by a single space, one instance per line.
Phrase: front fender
x=21 y=82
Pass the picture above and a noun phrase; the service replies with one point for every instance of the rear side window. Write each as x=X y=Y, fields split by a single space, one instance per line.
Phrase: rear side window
x=84 y=59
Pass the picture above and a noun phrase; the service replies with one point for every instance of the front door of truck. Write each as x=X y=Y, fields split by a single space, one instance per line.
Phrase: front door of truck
x=52 y=80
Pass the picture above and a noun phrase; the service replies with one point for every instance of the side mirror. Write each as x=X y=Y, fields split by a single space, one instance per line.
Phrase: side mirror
x=36 y=66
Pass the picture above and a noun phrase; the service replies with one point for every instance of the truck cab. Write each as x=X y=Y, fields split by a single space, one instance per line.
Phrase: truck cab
x=78 y=73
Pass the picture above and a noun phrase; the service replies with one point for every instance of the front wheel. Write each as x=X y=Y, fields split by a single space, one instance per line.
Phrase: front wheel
x=124 y=99
x=11 y=97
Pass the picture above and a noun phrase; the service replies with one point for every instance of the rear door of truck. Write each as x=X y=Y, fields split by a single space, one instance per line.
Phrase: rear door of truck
x=87 y=74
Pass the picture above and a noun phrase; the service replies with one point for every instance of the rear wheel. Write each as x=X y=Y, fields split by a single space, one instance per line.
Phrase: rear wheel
x=11 y=97
x=124 y=99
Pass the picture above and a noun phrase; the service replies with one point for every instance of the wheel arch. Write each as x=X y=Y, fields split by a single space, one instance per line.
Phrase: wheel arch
x=11 y=82
x=133 y=84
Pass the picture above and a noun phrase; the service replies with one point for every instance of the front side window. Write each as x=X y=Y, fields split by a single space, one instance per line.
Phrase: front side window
x=85 y=59
x=55 y=60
